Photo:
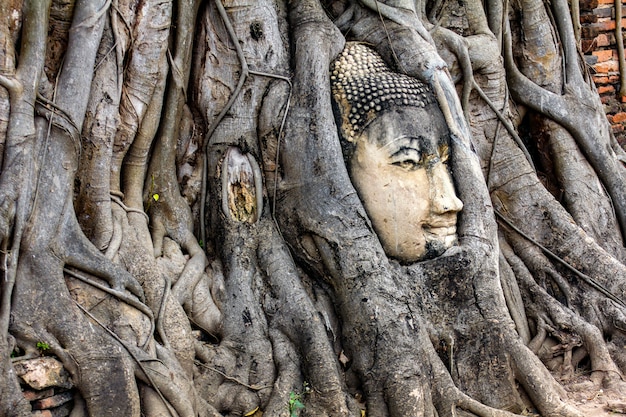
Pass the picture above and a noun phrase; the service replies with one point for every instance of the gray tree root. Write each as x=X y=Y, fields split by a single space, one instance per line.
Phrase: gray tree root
x=128 y=119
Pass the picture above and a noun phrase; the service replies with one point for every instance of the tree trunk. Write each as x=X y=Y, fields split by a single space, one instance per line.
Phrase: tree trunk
x=182 y=224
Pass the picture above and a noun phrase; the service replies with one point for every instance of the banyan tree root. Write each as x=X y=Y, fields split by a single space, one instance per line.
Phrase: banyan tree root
x=244 y=323
x=563 y=324
x=381 y=320
x=257 y=265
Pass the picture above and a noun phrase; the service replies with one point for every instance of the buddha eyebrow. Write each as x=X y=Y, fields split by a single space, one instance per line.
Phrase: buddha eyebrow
x=404 y=142
x=405 y=150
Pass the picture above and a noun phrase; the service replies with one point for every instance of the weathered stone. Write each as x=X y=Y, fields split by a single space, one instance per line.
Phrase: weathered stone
x=600 y=79
x=590 y=32
x=619 y=117
x=41 y=373
x=605 y=25
x=54 y=401
x=604 y=55
x=363 y=86
x=605 y=39
x=611 y=105
x=606 y=67
x=31 y=395
x=589 y=18
x=604 y=89
x=62 y=411
x=588 y=4
x=603 y=12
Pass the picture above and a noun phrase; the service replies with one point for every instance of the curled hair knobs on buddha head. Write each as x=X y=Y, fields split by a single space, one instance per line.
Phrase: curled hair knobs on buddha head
x=363 y=86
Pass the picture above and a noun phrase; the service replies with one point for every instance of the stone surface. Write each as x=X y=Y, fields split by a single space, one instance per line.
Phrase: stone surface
x=31 y=395
x=606 y=67
x=603 y=12
x=588 y=4
x=604 y=55
x=62 y=411
x=619 y=117
x=52 y=402
x=604 y=89
x=41 y=373
x=599 y=46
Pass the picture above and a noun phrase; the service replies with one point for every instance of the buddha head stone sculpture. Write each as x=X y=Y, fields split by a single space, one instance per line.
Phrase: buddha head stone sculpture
x=395 y=143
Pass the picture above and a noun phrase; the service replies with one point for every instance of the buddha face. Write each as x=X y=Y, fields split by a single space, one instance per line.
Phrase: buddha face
x=400 y=172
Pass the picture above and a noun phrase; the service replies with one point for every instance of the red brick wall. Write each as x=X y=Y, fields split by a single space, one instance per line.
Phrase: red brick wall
x=598 y=44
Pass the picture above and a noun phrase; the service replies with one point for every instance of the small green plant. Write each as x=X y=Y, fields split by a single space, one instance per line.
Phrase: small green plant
x=154 y=196
x=295 y=404
x=42 y=346
x=16 y=352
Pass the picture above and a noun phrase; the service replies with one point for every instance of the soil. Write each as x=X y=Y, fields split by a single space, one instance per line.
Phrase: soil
x=593 y=401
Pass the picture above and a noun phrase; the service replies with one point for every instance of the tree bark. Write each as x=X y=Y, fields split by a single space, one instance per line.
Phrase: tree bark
x=179 y=224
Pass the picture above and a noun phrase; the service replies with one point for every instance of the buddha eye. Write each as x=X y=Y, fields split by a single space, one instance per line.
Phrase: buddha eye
x=408 y=158
x=408 y=164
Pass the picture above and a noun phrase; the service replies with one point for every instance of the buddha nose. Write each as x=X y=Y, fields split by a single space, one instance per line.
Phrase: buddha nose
x=442 y=194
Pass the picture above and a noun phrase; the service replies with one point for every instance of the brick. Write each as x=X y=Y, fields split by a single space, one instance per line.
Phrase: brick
x=605 y=99
x=603 y=12
x=590 y=31
x=589 y=18
x=603 y=55
x=590 y=59
x=587 y=45
x=604 y=40
x=613 y=79
x=588 y=4
x=606 y=67
x=52 y=402
x=605 y=25
x=606 y=2
x=614 y=103
x=600 y=79
x=615 y=120
x=612 y=106
x=617 y=128
x=606 y=89
x=62 y=411
x=31 y=395
x=619 y=117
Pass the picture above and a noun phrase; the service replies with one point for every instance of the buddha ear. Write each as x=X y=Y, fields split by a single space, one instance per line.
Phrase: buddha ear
x=341 y=110
x=349 y=135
